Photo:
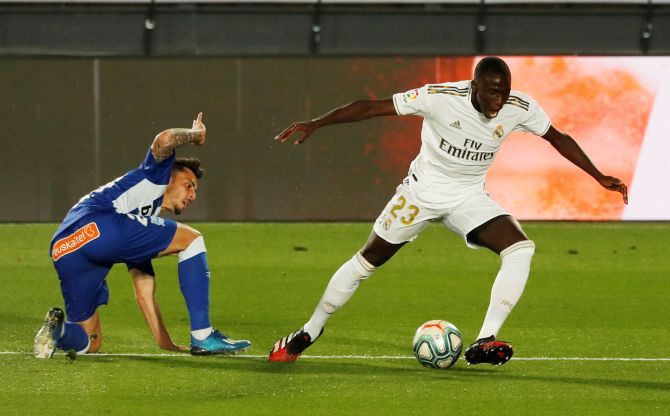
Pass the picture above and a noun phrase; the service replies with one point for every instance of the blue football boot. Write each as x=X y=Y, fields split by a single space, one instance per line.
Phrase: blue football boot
x=47 y=337
x=217 y=344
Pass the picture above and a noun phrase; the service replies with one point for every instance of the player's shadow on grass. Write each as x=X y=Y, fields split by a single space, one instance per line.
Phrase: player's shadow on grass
x=307 y=366
x=408 y=369
x=502 y=374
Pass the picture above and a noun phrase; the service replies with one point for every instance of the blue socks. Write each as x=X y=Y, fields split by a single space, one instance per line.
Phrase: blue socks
x=73 y=337
x=194 y=283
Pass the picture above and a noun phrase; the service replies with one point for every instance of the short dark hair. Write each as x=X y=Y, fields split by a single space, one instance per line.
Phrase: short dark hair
x=190 y=163
x=492 y=65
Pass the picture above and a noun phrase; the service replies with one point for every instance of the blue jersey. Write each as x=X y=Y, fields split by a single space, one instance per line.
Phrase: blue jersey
x=139 y=192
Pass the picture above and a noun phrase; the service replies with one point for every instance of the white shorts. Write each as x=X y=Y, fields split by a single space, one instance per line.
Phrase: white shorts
x=403 y=218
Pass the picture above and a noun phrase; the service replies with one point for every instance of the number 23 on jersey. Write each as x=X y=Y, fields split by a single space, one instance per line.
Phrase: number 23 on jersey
x=406 y=214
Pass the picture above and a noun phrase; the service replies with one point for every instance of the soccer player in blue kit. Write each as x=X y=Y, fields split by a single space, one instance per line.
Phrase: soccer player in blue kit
x=119 y=223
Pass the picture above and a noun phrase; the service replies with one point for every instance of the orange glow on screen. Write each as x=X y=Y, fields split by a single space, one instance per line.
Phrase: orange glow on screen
x=604 y=107
x=604 y=103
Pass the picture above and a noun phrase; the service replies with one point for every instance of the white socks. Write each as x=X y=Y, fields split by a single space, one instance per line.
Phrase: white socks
x=341 y=287
x=506 y=291
x=201 y=334
x=508 y=286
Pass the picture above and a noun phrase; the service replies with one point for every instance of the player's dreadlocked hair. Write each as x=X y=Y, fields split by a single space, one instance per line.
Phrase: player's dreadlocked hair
x=492 y=64
x=190 y=163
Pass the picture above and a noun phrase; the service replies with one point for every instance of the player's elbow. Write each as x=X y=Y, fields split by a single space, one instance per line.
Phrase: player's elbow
x=162 y=142
x=373 y=110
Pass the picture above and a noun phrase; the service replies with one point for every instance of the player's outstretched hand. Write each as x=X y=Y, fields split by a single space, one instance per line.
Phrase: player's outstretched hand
x=615 y=184
x=304 y=129
x=199 y=126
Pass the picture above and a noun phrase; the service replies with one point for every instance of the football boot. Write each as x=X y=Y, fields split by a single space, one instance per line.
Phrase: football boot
x=218 y=344
x=47 y=337
x=289 y=348
x=488 y=350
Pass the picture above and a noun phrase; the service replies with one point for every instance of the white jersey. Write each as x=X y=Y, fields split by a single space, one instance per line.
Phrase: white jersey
x=458 y=143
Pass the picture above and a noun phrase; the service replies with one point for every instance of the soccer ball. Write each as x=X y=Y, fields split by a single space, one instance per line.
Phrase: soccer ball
x=437 y=344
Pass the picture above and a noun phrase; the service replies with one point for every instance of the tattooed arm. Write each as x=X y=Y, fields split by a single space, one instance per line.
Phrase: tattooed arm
x=170 y=139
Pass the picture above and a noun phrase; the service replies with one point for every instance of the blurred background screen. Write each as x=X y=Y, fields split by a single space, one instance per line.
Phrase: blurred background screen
x=86 y=85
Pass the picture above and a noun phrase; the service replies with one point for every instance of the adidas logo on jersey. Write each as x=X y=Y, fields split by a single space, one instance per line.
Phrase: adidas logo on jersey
x=456 y=124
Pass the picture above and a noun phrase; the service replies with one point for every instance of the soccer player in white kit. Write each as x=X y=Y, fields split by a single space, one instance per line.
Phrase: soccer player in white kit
x=464 y=126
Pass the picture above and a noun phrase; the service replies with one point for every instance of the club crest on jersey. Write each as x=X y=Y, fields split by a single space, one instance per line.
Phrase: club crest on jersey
x=499 y=132
x=75 y=241
x=410 y=96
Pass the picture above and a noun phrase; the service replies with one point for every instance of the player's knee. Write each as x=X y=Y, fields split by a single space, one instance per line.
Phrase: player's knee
x=362 y=266
x=95 y=347
x=184 y=238
x=378 y=251
x=524 y=248
x=190 y=235
x=95 y=342
x=371 y=256
x=375 y=256
x=194 y=248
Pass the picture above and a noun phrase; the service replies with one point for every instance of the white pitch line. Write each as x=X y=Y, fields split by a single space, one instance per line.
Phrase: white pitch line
x=589 y=359
x=362 y=357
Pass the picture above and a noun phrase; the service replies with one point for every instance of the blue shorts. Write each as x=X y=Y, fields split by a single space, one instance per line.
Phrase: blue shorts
x=84 y=253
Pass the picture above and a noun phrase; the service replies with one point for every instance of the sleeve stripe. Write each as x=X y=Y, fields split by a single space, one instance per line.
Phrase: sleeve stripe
x=438 y=89
x=516 y=97
x=454 y=93
x=447 y=87
x=514 y=100
x=517 y=105
x=450 y=92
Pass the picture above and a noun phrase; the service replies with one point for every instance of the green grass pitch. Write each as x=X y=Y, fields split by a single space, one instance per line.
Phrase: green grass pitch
x=596 y=291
